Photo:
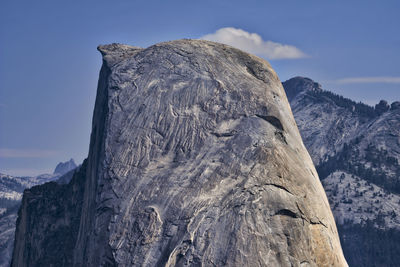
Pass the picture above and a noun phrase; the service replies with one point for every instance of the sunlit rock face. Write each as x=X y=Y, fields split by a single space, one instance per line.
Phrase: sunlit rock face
x=195 y=159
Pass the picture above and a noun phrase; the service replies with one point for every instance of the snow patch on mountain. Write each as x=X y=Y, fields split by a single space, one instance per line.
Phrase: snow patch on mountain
x=354 y=200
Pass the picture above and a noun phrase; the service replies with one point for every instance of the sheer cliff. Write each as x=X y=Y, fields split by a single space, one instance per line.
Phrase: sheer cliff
x=195 y=159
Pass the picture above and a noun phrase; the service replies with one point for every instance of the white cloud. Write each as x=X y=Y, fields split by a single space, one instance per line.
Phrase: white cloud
x=26 y=153
x=253 y=43
x=370 y=80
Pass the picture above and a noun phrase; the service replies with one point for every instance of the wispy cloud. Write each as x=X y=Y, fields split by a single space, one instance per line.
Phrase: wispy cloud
x=26 y=153
x=253 y=43
x=382 y=79
x=25 y=172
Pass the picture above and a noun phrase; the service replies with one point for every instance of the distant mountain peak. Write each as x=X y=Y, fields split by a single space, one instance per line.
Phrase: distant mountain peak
x=64 y=167
x=299 y=84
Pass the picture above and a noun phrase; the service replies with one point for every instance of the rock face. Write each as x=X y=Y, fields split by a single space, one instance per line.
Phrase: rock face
x=356 y=149
x=195 y=159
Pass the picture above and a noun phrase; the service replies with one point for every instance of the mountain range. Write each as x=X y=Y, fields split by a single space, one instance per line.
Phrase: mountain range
x=356 y=150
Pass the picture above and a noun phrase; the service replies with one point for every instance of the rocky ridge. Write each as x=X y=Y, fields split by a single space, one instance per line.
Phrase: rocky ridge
x=195 y=159
x=356 y=150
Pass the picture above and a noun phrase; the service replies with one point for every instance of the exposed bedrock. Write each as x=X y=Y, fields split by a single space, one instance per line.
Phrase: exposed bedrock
x=195 y=159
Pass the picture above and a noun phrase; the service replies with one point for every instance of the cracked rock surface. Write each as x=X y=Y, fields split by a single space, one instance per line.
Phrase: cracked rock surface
x=195 y=159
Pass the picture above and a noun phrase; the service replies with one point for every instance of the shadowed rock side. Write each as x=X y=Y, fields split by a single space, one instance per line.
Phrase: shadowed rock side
x=11 y=190
x=48 y=223
x=195 y=159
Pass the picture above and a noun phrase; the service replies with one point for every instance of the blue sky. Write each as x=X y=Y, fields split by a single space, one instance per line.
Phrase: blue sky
x=49 y=64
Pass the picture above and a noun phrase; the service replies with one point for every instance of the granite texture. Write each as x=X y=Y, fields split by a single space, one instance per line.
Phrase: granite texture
x=195 y=159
